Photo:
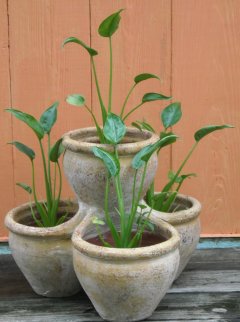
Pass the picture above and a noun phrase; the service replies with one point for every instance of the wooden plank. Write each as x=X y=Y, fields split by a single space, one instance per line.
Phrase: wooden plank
x=6 y=160
x=191 y=302
x=206 y=76
x=43 y=72
x=141 y=44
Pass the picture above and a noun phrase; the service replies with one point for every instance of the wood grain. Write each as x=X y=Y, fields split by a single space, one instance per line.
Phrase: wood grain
x=6 y=160
x=190 y=299
x=141 y=44
x=43 y=72
x=205 y=78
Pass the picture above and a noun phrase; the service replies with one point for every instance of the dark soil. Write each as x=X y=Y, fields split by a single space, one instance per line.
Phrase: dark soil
x=148 y=239
x=29 y=221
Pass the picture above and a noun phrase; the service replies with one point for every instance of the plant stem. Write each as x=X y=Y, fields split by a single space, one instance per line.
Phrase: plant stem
x=134 y=109
x=110 y=77
x=170 y=183
x=99 y=130
x=126 y=99
x=49 y=165
x=103 y=109
x=48 y=192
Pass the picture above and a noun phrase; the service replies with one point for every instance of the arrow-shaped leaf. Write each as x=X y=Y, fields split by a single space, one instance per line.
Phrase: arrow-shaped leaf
x=91 y=51
x=49 y=117
x=24 y=149
x=29 y=120
x=209 y=129
x=56 y=151
x=149 y=97
x=171 y=114
x=141 y=77
x=114 y=128
x=75 y=99
x=110 y=25
x=110 y=161
x=24 y=186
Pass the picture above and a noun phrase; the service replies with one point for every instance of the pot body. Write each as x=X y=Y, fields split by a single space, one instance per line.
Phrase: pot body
x=87 y=174
x=44 y=255
x=187 y=223
x=125 y=284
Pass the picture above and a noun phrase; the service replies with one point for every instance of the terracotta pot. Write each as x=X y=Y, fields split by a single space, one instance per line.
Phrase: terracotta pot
x=125 y=284
x=186 y=221
x=44 y=255
x=87 y=174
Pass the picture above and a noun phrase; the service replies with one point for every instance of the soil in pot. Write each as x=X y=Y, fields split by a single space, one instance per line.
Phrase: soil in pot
x=148 y=239
x=29 y=221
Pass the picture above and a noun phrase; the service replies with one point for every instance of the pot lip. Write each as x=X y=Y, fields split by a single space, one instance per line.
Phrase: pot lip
x=81 y=145
x=64 y=229
x=119 y=254
x=181 y=216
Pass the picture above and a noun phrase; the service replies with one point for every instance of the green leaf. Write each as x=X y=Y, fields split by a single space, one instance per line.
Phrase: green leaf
x=49 y=117
x=145 y=154
x=149 y=97
x=136 y=125
x=110 y=161
x=164 y=135
x=141 y=77
x=91 y=51
x=171 y=114
x=171 y=175
x=97 y=221
x=146 y=126
x=75 y=99
x=56 y=151
x=29 y=120
x=209 y=129
x=24 y=149
x=114 y=128
x=110 y=25
x=27 y=188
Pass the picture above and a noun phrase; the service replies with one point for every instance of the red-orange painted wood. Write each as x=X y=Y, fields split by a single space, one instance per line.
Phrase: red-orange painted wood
x=193 y=46
x=206 y=77
x=6 y=161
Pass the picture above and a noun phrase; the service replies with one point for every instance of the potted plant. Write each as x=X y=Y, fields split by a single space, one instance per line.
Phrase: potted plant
x=84 y=171
x=40 y=231
x=125 y=263
x=178 y=210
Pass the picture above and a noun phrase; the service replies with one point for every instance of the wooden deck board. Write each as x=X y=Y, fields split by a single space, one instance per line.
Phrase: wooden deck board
x=208 y=290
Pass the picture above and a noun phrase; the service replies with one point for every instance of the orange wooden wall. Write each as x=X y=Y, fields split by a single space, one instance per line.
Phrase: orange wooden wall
x=192 y=44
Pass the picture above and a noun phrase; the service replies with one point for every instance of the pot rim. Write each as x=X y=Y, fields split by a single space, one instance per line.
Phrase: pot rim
x=64 y=229
x=81 y=145
x=105 y=253
x=181 y=216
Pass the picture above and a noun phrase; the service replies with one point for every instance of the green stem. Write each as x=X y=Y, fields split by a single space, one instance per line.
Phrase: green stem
x=60 y=181
x=99 y=130
x=170 y=183
x=47 y=186
x=134 y=109
x=110 y=77
x=126 y=99
x=103 y=109
x=49 y=164
x=54 y=184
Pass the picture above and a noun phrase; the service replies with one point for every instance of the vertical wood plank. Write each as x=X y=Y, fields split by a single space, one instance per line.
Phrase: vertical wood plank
x=206 y=77
x=141 y=44
x=6 y=162
x=43 y=72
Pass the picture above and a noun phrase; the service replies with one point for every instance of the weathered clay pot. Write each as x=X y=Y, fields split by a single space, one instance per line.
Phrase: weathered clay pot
x=186 y=221
x=125 y=284
x=87 y=174
x=44 y=255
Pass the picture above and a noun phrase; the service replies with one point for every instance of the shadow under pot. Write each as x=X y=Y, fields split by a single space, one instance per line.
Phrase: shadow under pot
x=125 y=284
x=44 y=255
x=87 y=174
x=185 y=218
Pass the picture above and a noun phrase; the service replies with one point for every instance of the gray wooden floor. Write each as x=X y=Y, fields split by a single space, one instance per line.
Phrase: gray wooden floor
x=208 y=290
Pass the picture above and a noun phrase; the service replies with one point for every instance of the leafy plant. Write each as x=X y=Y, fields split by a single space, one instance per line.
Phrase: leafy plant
x=47 y=211
x=114 y=130
x=107 y=29
x=172 y=114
